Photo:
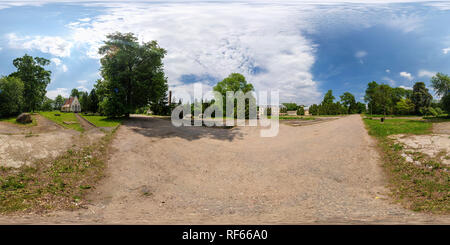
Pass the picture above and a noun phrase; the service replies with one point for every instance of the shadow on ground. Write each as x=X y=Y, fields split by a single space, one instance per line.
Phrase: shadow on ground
x=163 y=128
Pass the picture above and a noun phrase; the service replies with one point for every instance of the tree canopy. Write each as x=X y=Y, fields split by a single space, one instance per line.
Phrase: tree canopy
x=132 y=74
x=11 y=96
x=35 y=79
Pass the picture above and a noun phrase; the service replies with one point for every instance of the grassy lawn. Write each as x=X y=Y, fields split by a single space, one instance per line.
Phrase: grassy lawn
x=49 y=184
x=103 y=121
x=64 y=117
x=419 y=188
x=397 y=126
x=294 y=117
x=13 y=120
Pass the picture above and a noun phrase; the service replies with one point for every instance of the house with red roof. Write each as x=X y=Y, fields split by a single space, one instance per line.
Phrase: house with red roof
x=71 y=105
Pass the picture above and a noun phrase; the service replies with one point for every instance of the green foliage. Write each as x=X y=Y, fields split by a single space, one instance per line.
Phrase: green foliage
x=93 y=101
x=441 y=84
x=59 y=102
x=84 y=101
x=132 y=73
x=75 y=93
x=405 y=107
x=11 y=96
x=35 y=78
x=348 y=100
x=421 y=97
x=47 y=104
x=236 y=82
x=301 y=111
x=291 y=106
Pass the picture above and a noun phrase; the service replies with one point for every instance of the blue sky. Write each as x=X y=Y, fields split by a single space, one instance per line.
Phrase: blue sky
x=300 y=48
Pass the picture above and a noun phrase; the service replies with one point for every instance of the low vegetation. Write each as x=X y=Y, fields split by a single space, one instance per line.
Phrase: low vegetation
x=13 y=120
x=103 y=121
x=65 y=119
x=420 y=188
x=397 y=126
x=59 y=183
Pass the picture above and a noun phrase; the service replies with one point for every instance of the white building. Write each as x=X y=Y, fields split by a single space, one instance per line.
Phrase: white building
x=71 y=105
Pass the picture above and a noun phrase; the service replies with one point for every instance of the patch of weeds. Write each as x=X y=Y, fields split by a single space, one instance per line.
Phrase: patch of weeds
x=424 y=188
x=60 y=183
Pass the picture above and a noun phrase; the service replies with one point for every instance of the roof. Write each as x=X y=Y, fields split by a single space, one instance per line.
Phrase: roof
x=69 y=101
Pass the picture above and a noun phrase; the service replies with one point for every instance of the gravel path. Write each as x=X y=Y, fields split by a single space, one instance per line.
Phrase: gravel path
x=322 y=173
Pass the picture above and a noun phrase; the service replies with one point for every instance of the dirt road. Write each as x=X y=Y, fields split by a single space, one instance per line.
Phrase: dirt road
x=321 y=173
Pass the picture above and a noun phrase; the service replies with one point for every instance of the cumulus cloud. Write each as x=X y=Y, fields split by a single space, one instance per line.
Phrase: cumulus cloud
x=406 y=75
x=405 y=87
x=64 y=92
x=82 y=82
x=425 y=73
x=445 y=50
x=388 y=71
x=56 y=46
x=59 y=63
x=208 y=40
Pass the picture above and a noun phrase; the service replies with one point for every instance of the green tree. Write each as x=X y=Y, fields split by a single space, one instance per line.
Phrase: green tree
x=47 y=104
x=405 y=107
x=35 y=79
x=421 y=97
x=301 y=111
x=84 y=101
x=360 y=107
x=441 y=84
x=235 y=82
x=291 y=106
x=132 y=72
x=348 y=100
x=59 y=102
x=75 y=93
x=93 y=101
x=370 y=97
x=11 y=96
x=383 y=98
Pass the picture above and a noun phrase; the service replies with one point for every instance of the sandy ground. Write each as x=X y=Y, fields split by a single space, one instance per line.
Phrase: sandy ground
x=321 y=173
x=21 y=145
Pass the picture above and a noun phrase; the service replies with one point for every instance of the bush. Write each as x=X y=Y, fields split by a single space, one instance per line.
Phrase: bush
x=11 y=96
x=300 y=111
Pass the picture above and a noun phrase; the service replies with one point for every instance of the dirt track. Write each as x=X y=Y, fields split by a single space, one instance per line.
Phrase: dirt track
x=322 y=173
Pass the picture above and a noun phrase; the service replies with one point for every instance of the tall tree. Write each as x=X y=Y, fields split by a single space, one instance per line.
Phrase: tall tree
x=383 y=98
x=11 y=96
x=132 y=72
x=348 y=100
x=59 y=102
x=235 y=82
x=421 y=97
x=35 y=78
x=75 y=93
x=441 y=84
x=93 y=101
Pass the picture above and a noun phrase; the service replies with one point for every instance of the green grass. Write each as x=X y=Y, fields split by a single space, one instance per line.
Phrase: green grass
x=103 y=121
x=397 y=126
x=294 y=117
x=381 y=115
x=64 y=117
x=419 y=188
x=13 y=120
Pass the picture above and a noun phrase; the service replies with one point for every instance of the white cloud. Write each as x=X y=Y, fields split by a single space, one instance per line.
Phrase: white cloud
x=388 y=71
x=82 y=88
x=56 y=61
x=216 y=40
x=446 y=50
x=64 y=68
x=406 y=75
x=84 y=19
x=361 y=54
x=425 y=73
x=404 y=87
x=391 y=82
x=64 y=92
x=82 y=81
x=56 y=46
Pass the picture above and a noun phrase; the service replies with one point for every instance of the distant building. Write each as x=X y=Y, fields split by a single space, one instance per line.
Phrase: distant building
x=71 y=105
